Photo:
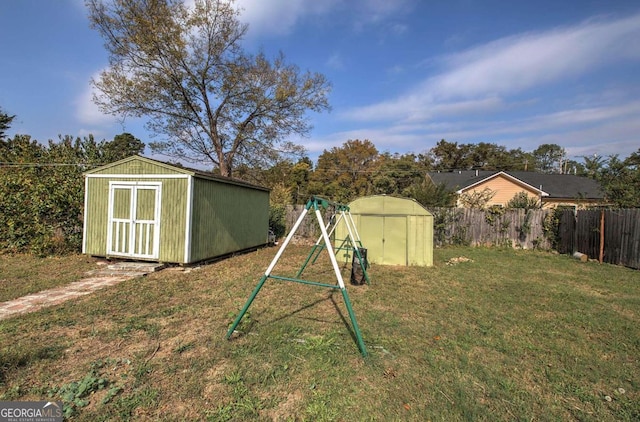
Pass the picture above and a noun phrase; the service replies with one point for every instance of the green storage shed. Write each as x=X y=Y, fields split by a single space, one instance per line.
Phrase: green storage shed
x=395 y=231
x=143 y=209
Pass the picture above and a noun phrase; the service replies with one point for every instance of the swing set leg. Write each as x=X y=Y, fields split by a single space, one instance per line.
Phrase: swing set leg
x=354 y=323
x=299 y=273
x=246 y=306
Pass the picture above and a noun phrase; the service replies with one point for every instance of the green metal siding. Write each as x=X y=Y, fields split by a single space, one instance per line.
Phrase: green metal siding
x=173 y=217
x=420 y=240
x=96 y=210
x=395 y=231
x=173 y=203
x=227 y=218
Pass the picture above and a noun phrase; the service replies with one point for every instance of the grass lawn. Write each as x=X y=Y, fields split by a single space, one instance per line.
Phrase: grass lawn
x=485 y=334
x=21 y=275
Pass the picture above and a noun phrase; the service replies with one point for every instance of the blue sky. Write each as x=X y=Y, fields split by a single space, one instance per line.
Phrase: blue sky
x=405 y=73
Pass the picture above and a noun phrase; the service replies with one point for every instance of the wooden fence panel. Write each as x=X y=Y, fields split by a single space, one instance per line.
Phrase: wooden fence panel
x=517 y=227
x=630 y=238
x=613 y=242
x=587 y=237
x=566 y=232
x=621 y=235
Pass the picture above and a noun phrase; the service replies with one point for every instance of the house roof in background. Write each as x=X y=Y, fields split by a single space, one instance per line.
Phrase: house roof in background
x=555 y=185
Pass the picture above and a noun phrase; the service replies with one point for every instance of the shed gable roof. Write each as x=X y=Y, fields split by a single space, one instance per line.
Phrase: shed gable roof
x=387 y=205
x=566 y=186
x=171 y=169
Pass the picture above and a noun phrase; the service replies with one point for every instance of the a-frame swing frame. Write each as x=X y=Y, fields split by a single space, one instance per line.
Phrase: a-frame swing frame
x=315 y=203
x=351 y=243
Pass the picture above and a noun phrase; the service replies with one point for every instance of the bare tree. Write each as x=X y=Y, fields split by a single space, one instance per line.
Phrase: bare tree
x=185 y=70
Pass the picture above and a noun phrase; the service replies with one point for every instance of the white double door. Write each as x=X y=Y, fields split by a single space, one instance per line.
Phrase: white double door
x=134 y=219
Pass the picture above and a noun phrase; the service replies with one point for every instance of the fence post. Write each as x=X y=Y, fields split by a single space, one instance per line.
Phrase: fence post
x=601 y=257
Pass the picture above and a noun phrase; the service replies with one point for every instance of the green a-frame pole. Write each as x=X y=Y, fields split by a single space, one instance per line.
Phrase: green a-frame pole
x=315 y=203
x=352 y=241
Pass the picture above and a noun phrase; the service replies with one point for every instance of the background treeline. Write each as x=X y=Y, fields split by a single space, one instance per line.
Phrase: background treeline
x=357 y=168
x=42 y=187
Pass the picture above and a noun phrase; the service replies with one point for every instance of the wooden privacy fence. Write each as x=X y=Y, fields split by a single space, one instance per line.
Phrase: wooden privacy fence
x=498 y=226
x=308 y=229
x=459 y=226
x=611 y=236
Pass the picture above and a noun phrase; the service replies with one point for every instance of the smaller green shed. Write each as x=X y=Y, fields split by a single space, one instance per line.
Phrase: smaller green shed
x=143 y=209
x=395 y=231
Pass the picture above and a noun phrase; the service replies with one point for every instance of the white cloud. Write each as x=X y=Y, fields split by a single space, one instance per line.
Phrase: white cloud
x=87 y=112
x=335 y=62
x=581 y=131
x=379 y=10
x=280 y=17
x=416 y=108
x=497 y=71
x=514 y=64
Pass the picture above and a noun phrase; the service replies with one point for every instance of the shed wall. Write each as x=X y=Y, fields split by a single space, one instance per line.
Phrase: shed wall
x=395 y=231
x=227 y=218
x=200 y=217
x=172 y=217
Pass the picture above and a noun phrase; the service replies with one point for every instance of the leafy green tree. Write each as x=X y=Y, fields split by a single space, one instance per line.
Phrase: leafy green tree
x=574 y=167
x=620 y=180
x=42 y=192
x=396 y=173
x=185 y=70
x=122 y=146
x=299 y=180
x=488 y=156
x=633 y=160
x=549 y=158
x=593 y=165
x=431 y=195
x=450 y=156
x=520 y=160
x=345 y=173
x=21 y=193
x=279 y=198
x=5 y=123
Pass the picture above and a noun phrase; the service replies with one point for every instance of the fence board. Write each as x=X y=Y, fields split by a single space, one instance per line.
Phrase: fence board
x=630 y=235
x=613 y=241
x=516 y=227
x=566 y=232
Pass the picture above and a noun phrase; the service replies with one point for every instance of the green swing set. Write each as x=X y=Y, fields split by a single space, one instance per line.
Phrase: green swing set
x=352 y=243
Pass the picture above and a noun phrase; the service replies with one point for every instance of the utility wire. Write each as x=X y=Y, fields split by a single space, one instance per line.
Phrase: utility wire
x=32 y=165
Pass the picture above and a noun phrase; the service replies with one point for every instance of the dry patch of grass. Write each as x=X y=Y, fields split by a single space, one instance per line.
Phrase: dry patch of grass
x=500 y=335
x=21 y=275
